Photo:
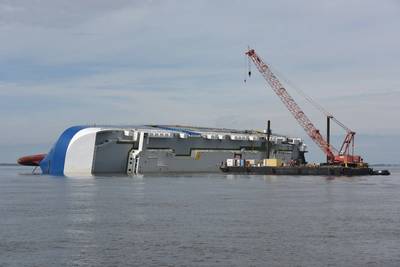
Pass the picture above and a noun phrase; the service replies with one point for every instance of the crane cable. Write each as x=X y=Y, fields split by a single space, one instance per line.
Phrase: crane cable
x=309 y=99
x=300 y=92
x=247 y=62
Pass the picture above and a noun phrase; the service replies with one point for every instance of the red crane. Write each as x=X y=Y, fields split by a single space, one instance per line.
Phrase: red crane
x=343 y=156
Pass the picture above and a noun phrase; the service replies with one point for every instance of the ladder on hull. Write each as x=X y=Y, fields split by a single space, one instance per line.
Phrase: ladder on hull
x=134 y=157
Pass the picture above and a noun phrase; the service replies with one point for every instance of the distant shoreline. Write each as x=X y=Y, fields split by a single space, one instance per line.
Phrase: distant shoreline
x=384 y=165
x=9 y=164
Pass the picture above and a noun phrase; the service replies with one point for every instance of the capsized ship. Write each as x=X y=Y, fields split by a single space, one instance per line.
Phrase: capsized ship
x=96 y=150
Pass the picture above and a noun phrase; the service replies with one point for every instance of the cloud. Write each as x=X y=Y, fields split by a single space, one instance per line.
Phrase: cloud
x=74 y=62
x=56 y=13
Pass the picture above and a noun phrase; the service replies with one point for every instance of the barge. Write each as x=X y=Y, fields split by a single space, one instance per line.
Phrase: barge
x=302 y=170
x=277 y=167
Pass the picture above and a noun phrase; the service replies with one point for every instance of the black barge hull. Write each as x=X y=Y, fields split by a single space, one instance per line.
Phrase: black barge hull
x=301 y=170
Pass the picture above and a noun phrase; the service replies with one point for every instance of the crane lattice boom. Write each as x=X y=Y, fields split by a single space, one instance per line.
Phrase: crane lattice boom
x=301 y=117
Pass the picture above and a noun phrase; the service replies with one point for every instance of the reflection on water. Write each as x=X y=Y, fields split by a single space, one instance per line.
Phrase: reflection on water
x=80 y=217
x=198 y=219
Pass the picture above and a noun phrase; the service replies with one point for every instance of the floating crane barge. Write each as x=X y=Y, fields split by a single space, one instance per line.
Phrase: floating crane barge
x=339 y=162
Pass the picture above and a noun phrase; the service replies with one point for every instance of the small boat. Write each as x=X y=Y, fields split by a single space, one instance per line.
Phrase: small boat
x=381 y=172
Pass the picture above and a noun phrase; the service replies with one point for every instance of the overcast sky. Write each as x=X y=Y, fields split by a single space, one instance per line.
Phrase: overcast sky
x=72 y=62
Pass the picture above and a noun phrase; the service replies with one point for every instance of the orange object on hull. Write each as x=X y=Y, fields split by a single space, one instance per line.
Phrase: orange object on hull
x=32 y=160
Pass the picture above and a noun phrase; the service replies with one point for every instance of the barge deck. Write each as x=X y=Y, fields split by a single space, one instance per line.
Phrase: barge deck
x=300 y=170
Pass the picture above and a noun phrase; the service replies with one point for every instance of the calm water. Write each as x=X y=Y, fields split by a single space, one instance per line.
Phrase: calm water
x=198 y=220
